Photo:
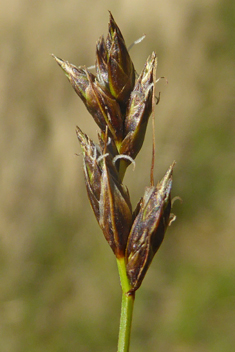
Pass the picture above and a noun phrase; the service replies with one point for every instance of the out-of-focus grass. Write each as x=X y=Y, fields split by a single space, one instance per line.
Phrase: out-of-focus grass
x=59 y=287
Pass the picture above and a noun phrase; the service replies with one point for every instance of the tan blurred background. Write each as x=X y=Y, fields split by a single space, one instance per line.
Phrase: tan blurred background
x=59 y=287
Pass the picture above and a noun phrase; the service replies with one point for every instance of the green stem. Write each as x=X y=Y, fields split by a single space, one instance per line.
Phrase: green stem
x=126 y=309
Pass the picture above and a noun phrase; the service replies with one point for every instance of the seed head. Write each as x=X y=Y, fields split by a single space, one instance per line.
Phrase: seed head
x=121 y=108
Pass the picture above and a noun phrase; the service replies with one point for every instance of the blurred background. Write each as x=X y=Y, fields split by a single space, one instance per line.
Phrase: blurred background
x=59 y=286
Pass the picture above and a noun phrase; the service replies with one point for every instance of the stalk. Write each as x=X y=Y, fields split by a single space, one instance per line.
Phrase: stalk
x=126 y=308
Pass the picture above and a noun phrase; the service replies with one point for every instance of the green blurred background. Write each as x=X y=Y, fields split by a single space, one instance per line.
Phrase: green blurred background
x=59 y=287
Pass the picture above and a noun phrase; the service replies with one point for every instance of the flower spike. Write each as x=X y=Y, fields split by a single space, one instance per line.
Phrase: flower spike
x=121 y=105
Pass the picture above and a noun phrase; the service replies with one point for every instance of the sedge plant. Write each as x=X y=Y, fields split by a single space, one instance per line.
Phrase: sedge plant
x=121 y=102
